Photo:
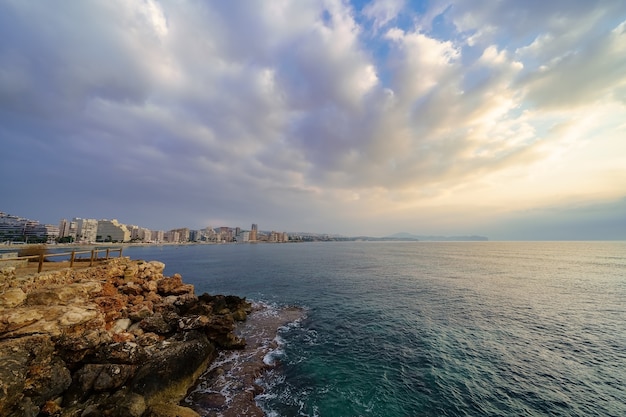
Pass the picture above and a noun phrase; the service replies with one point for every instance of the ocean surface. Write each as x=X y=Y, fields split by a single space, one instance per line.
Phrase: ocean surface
x=413 y=329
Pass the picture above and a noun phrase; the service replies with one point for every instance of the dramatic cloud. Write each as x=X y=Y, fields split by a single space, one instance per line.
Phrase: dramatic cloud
x=356 y=118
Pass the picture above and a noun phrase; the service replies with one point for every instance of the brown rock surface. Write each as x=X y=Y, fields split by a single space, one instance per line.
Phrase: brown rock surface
x=116 y=339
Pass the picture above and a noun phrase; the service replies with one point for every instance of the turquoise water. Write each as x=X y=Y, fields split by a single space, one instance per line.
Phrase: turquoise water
x=432 y=329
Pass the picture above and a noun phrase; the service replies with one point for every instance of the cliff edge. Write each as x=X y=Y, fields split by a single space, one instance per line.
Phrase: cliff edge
x=117 y=339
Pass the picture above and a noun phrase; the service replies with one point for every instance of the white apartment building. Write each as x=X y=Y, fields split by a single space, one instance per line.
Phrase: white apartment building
x=157 y=236
x=112 y=231
x=86 y=229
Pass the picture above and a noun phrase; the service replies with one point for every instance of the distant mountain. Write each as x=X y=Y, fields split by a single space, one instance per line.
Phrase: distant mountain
x=407 y=236
x=403 y=235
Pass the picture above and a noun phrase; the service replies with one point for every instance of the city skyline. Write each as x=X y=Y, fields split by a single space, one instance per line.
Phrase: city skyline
x=15 y=228
x=434 y=117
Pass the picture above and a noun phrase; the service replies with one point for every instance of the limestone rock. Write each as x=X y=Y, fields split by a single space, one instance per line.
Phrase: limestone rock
x=12 y=297
x=121 y=326
x=117 y=339
x=169 y=285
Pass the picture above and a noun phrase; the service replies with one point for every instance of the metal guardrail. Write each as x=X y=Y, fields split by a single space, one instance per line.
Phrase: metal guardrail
x=41 y=257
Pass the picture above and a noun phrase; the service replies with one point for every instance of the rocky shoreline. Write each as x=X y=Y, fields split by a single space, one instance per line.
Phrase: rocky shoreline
x=117 y=339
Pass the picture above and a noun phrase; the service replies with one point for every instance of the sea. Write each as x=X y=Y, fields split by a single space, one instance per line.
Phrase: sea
x=412 y=329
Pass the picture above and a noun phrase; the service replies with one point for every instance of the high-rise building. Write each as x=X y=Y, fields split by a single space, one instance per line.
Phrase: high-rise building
x=157 y=236
x=254 y=232
x=64 y=228
x=183 y=235
x=86 y=229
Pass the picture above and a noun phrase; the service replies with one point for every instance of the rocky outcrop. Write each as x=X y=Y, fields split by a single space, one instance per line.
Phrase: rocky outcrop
x=119 y=339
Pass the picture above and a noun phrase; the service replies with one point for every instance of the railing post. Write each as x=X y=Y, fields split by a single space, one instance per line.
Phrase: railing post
x=121 y=252
x=93 y=252
x=72 y=258
x=40 y=263
x=107 y=256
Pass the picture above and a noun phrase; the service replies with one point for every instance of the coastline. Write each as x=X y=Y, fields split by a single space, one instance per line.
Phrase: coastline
x=230 y=385
x=121 y=338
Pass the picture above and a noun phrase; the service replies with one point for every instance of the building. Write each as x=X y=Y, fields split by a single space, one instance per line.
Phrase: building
x=12 y=228
x=243 y=237
x=19 y=229
x=112 y=231
x=254 y=232
x=278 y=237
x=139 y=234
x=207 y=235
x=171 y=236
x=86 y=229
x=225 y=234
x=68 y=230
x=157 y=236
x=183 y=235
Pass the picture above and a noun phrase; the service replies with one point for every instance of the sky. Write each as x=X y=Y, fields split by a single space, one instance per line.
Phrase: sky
x=505 y=118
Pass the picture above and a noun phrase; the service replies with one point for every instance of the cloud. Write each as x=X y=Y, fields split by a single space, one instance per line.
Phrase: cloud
x=291 y=110
x=382 y=12
x=511 y=22
x=574 y=79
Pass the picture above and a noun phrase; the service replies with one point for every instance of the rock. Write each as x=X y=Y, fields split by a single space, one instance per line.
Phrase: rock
x=193 y=322
x=169 y=285
x=87 y=339
x=123 y=337
x=239 y=315
x=31 y=374
x=18 y=318
x=150 y=286
x=156 y=324
x=173 y=286
x=112 y=307
x=103 y=377
x=12 y=297
x=170 y=410
x=131 y=271
x=47 y=380
x=77 y=315
x=63 y=295
x=131 y=289
x=129 y=405
x=121 y=325
x=229 y=341
x=148 y=339
x=51 y=408
x=121 y=353
x=210 y=401
x=117 y=339
x=143 y=312
x=180 y=363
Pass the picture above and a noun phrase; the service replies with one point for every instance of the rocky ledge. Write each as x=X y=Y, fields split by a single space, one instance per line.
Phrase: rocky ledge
x=118 y=339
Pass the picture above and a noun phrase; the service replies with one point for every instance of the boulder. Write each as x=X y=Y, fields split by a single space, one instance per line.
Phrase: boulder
x=156 y=324
x=169 y=285
x=31 y=374
x=176 y=364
